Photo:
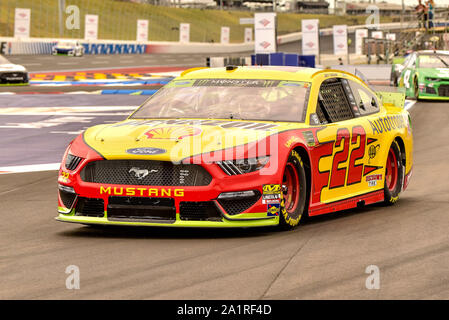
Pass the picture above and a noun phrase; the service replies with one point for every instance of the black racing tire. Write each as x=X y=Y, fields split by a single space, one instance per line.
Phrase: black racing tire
x=393 y=79
x=416 y=89
x=394 y=175
x=294 y=192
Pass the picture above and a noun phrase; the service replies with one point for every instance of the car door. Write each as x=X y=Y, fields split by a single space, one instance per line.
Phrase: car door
x=370 y=116
x=341 y=152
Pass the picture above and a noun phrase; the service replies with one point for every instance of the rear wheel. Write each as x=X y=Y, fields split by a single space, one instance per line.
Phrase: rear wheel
x=394 y=174
x=294 y=192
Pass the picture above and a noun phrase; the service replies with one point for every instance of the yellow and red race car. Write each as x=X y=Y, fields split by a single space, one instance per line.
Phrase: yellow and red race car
x=241 y=147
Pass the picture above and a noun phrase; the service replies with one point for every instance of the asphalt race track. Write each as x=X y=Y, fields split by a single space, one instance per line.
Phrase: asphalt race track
x=323 y=258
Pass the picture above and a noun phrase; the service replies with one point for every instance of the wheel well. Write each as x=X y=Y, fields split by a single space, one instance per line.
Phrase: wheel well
x=402 y=148
x=306 y=160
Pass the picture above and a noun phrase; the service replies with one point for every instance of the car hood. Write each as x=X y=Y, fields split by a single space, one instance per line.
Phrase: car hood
x=9 y=67
x=177 y=139
x=434 y=72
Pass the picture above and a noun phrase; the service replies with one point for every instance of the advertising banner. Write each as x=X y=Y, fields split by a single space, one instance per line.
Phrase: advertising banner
x=22 y=20
x=225 y=34
x=310 y=37
x=359 y=35
x=142 y=30
x=91 y=27
x=248 y=35
x=377 y=34
x=340 y=39
x=184 y=32
x=391 y=36
x=265 y=32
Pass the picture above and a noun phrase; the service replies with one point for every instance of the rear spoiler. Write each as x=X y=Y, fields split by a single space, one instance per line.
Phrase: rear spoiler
x=392 y=99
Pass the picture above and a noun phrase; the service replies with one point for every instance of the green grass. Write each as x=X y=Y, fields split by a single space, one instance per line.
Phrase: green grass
x=117 y=20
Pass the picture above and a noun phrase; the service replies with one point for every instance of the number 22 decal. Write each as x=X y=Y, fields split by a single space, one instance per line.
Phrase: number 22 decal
x=338 y=175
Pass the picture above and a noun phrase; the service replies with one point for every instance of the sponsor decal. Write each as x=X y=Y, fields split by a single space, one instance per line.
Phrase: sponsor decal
x=265 y=44
x=141 y=173
x=291 y=141
x=372 y=151
x=240 y=83
x=271 y=194
x=273 y=209
x=372 y=179
x=271 y=189
x=264 y=22
x=64 y=177
x=141 y=191
x=308 y=136
x=173 y=132
x=145 y=151
x=387 y=124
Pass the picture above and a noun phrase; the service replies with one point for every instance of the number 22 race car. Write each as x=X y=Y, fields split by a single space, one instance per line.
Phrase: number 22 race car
x=241 y=147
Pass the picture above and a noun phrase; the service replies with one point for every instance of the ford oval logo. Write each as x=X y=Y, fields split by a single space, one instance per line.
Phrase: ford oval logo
x=146 y=151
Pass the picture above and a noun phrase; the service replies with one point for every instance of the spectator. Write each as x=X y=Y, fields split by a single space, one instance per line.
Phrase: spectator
x=420 y=10
x=426 y=15
x=430 y=8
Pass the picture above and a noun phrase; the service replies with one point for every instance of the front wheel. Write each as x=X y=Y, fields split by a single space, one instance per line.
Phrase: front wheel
x=394 y=174
x=416 y=89
x=294 y=192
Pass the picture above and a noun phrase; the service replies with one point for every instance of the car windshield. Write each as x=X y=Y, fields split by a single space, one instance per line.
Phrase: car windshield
x=250 y=99
x=434 y=61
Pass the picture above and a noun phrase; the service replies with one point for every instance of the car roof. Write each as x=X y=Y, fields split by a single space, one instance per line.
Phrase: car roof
x=258 y=72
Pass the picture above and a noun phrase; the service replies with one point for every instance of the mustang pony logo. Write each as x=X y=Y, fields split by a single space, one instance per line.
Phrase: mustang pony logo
x=141 y=173
x=172 y=132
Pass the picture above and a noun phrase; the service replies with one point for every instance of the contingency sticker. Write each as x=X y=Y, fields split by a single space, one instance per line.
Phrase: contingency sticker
x=273 y=209
x=271 y=194
x=372 y=179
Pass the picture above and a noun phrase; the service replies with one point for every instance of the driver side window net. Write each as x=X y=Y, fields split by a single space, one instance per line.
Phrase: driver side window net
x=333 y=105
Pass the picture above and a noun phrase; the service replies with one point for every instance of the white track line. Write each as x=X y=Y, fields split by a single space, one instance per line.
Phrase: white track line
x=409 y=104
x=30 y=168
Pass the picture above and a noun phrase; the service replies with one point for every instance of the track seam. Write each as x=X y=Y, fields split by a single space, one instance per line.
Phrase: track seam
x=284 y=267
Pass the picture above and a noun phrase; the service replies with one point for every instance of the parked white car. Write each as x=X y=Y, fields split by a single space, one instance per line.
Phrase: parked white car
x=68 y=47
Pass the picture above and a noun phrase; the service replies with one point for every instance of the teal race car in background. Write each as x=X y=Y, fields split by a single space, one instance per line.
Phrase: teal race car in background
x=423 y=74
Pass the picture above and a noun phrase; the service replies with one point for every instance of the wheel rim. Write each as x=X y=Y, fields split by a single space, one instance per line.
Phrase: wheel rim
x=391 y=176
x=291 y=188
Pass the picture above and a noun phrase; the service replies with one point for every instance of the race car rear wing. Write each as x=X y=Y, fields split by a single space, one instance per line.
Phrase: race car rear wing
x=393 y=99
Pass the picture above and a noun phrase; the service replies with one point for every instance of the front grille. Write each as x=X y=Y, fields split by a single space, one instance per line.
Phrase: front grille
x=236 y=206
x=145 y=173
x=141 y=209
x=67 y=198
x=89 y=207
x=430 y=90
x=443 y=90
x=199 y=211
x=72 y=162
